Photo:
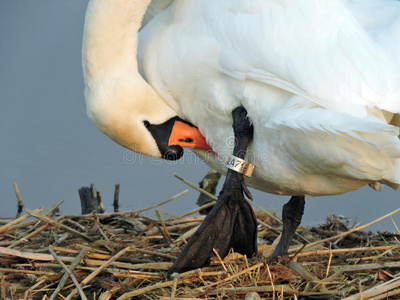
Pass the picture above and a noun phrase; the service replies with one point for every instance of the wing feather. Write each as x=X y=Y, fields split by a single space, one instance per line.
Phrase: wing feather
x=311 y=48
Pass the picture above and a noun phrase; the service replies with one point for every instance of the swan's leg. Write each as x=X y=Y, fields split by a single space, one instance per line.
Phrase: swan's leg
x=292 y=213
x=231 y=223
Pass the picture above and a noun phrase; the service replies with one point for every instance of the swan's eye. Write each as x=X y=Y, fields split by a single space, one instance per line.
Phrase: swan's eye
x=146 y=124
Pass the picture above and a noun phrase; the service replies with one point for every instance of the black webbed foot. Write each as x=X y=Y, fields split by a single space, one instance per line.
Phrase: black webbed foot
x=292 y=213
x=231 y=223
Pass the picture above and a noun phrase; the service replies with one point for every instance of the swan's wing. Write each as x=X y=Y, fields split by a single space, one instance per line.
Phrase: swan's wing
x=374 y=15
x=154 y=8
x=311 y=48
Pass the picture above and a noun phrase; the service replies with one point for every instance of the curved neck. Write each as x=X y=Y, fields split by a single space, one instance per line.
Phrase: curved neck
x=110 y=35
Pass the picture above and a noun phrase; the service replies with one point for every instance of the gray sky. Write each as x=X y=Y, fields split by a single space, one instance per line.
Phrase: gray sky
x=51 y=148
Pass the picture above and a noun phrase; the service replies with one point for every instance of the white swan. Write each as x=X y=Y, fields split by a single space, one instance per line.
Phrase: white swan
x=320 y=81
x=119 y=102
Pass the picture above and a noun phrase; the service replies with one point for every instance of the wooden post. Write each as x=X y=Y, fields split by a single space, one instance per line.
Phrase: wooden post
x=20 y=205
x=89 y=200
x=116 y=198
x=209 y=183
x=100 y=203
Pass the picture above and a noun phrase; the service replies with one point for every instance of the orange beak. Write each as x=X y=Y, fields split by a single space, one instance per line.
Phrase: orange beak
x=187 y=136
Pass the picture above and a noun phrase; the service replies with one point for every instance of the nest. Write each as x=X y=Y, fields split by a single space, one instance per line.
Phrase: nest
x=126 y=255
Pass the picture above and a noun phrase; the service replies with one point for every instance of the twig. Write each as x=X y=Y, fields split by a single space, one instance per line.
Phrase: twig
x=19 y=200
x=28 y=291
x=91 y=249
x=276 y=219
x=386 y=295
x=256 y=266
x=125 y=212
x=69 y=273
x=184 y=237
x=187 y=220
x=18 y=220
x=89 y=262
x=220 y=260
x=64 y=279
x=272 y=282
x=297 y=267
x=149 y=288
x=137 y=275
x=334 y=251
x=372 y=257
x=99 y=270
x=53 y=210
x=329 y=264
x=133 y=249
x=163 y=230
x=66 y=250
x=65 y=236
x=76 y=224
x=98 y=227
x=26 y=238
x=269 y=227
x=3 y=288
x=3 y=270
x=263 y=289
x=174 y=285
x=27 y=255
x=49 y=213
x=55 y=223
x=376 y=290
x=109 y=293
x=116 y=198
x=155 y=231
x=211 y=196
x=365 y=267
x=197 y=210
x=352 y=230
x=161 y=203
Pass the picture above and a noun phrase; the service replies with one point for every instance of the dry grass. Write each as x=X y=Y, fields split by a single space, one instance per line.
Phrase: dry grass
x=124 y=255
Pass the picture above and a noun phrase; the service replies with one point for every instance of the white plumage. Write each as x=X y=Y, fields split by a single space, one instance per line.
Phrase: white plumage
x=320 y=80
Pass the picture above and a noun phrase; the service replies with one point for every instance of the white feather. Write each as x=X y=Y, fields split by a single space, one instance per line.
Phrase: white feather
x=314 y=76
x=320 y=80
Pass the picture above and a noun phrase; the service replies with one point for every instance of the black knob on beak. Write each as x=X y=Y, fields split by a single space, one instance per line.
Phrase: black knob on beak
x=174 y=134
x=161 y=134
x=173 y=152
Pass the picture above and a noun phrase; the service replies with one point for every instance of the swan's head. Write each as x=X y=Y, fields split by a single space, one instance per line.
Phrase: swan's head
x=129 y=111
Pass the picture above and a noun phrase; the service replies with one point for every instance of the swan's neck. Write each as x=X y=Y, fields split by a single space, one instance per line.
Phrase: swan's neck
x=110 y=35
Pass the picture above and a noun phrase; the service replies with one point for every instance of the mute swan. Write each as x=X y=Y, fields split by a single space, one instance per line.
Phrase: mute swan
x=119 y=102
x=318 y=80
